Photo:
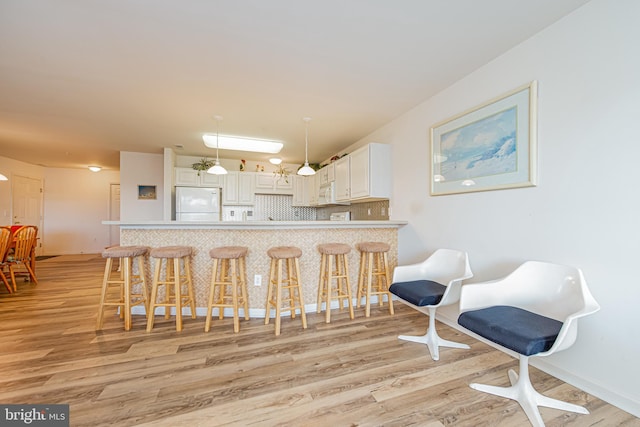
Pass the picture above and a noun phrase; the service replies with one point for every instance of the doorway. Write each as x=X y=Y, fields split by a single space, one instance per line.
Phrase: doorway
x=27 y=195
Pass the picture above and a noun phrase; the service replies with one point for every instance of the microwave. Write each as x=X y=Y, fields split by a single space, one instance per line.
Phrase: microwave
x=327 y=193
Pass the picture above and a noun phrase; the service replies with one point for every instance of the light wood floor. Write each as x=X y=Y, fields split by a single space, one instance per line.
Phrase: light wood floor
x=347 y=373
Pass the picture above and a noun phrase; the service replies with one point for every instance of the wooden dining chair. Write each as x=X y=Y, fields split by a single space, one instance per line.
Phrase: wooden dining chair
x=25 y=239
x=5 y=242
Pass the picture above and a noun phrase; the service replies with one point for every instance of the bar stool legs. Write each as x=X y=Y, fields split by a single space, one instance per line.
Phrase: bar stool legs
x=228 y=284
x=284 y=274
x=374 y=277
x=125 y=280
x=334 y=253
x=177 y=276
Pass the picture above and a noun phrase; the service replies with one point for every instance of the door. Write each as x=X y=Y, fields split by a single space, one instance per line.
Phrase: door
x=26 y=204
x=114 y=214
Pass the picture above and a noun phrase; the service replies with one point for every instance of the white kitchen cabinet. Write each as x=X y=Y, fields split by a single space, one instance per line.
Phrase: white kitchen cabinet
x=268 y=183
x=188 y=177
x=312 y=190
x=238 y=188
x=305 y=191
x=364 y=174
x=342 y=179
x=370 y=172
x=300 y=197
x=326 y=175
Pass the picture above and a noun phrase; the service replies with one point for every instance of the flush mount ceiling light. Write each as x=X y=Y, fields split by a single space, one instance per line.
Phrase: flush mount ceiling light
x=275 y=160
x=239 y=143
x=306 y=170
x=216 y=169
x=95 y=168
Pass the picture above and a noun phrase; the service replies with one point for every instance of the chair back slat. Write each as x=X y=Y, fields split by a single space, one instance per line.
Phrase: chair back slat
x=25 y=238
x=5 y=242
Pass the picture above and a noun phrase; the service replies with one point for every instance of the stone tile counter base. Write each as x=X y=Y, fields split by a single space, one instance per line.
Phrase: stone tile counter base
x=259 y=241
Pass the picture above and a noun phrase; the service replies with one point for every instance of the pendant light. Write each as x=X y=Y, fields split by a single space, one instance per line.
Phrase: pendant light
x=306 y=170
x=216 y=169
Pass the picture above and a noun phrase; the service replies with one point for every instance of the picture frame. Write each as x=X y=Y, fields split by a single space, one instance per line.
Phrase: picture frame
x=490 y=147
x=147 y=192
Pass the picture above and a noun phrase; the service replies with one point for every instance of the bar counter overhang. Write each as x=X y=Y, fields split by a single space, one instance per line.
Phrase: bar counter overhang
x=259 y=236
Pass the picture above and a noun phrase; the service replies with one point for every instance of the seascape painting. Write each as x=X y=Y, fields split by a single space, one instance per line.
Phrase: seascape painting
x=490 y=147
x=486 y=147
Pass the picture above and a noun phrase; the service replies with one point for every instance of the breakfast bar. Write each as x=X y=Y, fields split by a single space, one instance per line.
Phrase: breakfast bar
x=259 y=236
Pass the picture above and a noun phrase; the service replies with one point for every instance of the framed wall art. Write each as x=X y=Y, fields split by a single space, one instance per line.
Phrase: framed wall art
x=490 y=147
x=146 y=192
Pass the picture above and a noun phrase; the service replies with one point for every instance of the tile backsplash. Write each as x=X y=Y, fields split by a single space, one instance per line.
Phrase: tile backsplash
x=368 y=211
x=278 y=208
x=269 y=206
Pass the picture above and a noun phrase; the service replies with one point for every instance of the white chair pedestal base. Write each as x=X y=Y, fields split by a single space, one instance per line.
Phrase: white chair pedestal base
x=522 y=391
x=432 y=339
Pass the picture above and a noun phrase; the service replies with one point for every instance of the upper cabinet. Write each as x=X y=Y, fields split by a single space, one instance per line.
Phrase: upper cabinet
x=188 y=177
x=325 y=175
x=238 y=189
x=370 y=172
x=342 y=179
x=364 y=174
x=268 y=183
x=305 y=191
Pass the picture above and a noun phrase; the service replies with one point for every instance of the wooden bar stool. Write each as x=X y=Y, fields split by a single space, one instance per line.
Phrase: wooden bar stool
x=228 y=284
x=125 y=280
x=375 y=277
x=334 y=253
x=177 y=275
x=285 y=261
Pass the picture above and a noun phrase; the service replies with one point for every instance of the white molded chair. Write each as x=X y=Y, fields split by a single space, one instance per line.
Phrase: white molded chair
x=534 y=311
x=428 y=285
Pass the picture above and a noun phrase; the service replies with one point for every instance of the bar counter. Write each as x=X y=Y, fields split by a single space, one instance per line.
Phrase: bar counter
x=259 y=236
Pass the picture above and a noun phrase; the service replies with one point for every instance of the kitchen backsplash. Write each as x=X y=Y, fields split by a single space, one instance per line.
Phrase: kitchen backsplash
x=278 y=208
x=369 y=211
x=269 y=206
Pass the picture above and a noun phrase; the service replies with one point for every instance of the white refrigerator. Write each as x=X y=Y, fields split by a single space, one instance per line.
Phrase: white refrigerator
x=197 y=204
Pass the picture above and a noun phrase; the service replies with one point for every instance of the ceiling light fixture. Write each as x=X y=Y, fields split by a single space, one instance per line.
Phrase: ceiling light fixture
x=216 y=169
x=239 y=143
x=3 y=178
x=306 y=170
x=95 y=168
x=275 y=160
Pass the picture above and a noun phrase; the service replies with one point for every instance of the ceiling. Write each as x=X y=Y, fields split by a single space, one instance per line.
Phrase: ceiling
x=81 y=81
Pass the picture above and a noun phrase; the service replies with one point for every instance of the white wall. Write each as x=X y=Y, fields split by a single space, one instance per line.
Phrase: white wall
x=9 y=168
x=585 y=210
x=141 y=169
x=76 y=201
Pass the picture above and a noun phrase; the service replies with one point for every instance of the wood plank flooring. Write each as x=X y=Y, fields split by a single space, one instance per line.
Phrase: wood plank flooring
x=346 y=373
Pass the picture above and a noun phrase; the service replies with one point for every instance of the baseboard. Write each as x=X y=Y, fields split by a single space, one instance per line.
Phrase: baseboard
x=257 y=313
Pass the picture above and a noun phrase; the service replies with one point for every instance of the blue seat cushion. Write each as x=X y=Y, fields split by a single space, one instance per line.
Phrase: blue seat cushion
x=519 y=330
x=419 y=292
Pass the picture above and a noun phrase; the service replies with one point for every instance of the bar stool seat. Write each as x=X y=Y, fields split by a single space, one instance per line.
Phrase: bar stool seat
x=177 y=275
x=125 y=281
x=334 y=253
x=284 y=273
x=375 y=276
x=228 y=284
